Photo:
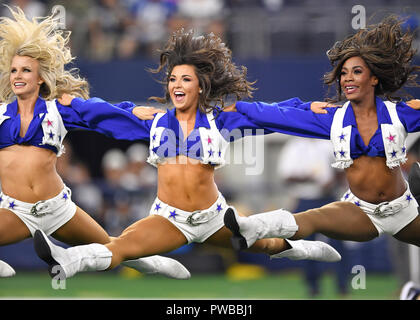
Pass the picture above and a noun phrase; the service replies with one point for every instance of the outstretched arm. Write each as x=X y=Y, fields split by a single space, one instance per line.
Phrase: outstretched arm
x=316 y=107
x=320 y=106
x=279 y=117
x=115 y=121
x=146 y=113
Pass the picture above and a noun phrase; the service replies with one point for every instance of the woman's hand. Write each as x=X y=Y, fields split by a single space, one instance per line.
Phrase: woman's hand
x=65 y=99
x=415 y=104
x=146 y=113
x=318 y=106
x=231 y=108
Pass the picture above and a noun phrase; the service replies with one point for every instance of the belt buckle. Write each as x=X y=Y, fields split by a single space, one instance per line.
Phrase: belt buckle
x=35 y=209
x=190 y=220
x=378 y=209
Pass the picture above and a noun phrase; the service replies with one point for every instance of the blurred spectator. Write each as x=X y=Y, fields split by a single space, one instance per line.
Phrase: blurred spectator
x=103 y=30
x=108 y=21
x=148 y=30
x=32 y=8
x=76 y=175
x=305 y=169
x=77 y=21
x=273 y=5
x=237 y=4
x=120 y=214
x=139 y=174
x=203 y=16
x=128 y=187
x=114 y=163
x=116 y=198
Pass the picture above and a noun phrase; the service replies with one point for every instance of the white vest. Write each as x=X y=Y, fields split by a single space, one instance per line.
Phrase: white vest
x=393 y=137
x=213 y=144
x=53 y=127
x=3 y=109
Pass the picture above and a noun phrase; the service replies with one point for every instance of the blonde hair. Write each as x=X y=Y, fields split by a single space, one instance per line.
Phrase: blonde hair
x=39 y=39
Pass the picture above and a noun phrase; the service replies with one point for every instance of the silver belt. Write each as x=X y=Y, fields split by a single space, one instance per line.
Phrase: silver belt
x=40 y=208
x=43 y=207
x=385 y=209
x=200 y=216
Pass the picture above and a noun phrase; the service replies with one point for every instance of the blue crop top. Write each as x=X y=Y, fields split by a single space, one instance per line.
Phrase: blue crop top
x=303 y=122
x=51 y=120
x=164 y=133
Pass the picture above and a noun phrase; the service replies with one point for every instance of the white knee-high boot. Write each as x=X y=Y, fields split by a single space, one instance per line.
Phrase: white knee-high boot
x=159 y=265
x=276 y=224
x=309 y=250
x=246 y=230
x=6 y=270
x=90 y=257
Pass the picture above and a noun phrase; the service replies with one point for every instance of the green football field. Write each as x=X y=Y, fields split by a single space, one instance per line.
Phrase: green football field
x=131 y=285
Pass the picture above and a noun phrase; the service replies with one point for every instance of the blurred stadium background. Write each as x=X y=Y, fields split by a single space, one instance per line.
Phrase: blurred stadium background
x=283 y=45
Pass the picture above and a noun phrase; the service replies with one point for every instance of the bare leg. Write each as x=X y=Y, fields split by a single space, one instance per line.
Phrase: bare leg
x=149 y=236
x=12 y=229
x=337 y=220
x=81 y=229
x=281 y=248
x=410 y=233
x=268 y=246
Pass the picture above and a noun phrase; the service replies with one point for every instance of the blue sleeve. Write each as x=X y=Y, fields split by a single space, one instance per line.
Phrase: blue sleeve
x=278 y=117
x=114 y=121
x=295 y=103
x=409 y=117
x=126 y=105
x=234 y=125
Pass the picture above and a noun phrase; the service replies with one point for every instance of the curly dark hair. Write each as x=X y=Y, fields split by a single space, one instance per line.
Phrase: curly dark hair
x=386 y=49
x=218 y=76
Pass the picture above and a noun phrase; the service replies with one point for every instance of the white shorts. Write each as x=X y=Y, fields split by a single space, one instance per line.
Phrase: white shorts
x=388 y=217
x=47 y=215
x=196 y=226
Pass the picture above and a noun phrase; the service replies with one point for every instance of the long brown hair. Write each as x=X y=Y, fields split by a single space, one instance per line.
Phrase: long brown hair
x=218 y=76
x=386 y=49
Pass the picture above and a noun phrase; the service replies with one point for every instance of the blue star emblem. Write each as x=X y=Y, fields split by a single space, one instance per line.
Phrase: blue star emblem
x=220 y=153
x=65 y=196
x=154 y=137
x=219 y=208
x=51 y=135
x=347 y=195
x=393 y=153
x=357 y=203
x=1 y=199
x=342 y=137
x=342 y=153
x=211 y=153
x=157 y=207
x=172 y=214
x=12 y=204
x=403 y=149
x=408 y=198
